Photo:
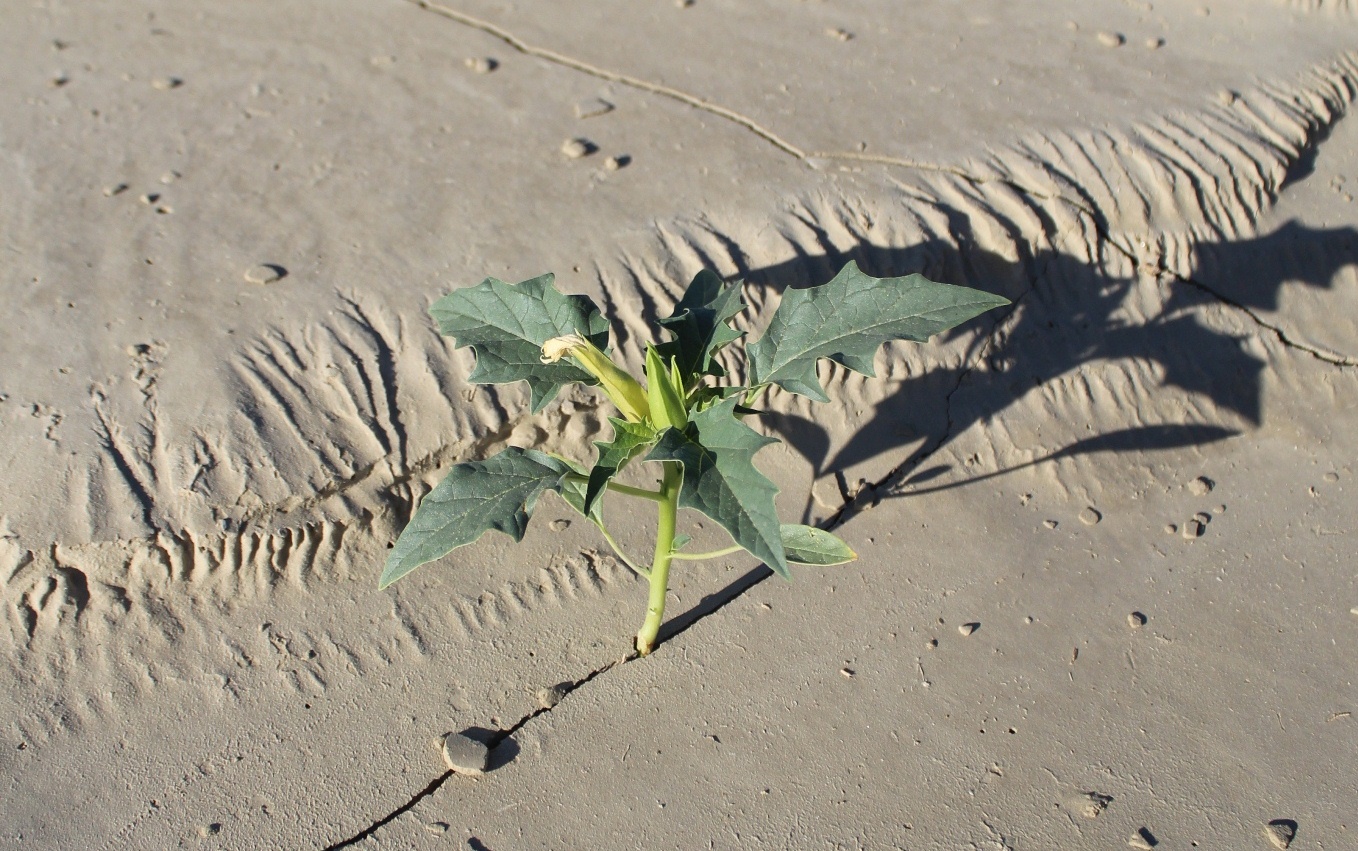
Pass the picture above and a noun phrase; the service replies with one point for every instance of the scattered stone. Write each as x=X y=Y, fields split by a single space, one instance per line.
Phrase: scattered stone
x=59 y=79
x=166 y=83
x=592 y=107
x=560 y=524
x=1331 y=477
x=1354 y=610
x=1136 y=620
x=1227 y=97
x=1170 y=528
x=150 y=198
x=1201 y=486
x=683 y=4
x=1143 y=839
x=465 y=755
x=1203 y=517
x=482 y=64
x=549 y=697
x=841 y=34
x=1090 y=516
x=1281 y=832
x=437 y=827
x=169 y=177
x=1112 y=39
x=933 y=642
x=265 y=273
x=847 y=673
x=1192 y=529
x=210 y=829
x=617 y=162
x=1094 y=804
x=1050 y=524
x=577 y=148
x=115 y=189
x=1155 y=43
x=968 y=628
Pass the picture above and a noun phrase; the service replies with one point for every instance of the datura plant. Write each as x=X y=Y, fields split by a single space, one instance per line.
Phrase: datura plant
x=685 y=416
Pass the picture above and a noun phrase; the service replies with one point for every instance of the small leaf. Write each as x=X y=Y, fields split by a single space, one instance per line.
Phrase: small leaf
x=498 y=493
x=507 y=324
x=680 y=541
x=849 y=318
x=700 y=324
x=665 y=399
x=809 y=545
x=720 y=479
x=572 y=490
x=629 y=440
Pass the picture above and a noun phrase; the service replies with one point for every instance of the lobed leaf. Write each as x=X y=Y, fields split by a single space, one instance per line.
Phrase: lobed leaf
x=629 y=440
x=720 y=479
x=498 y=493
x=809 y=545
x=506 y=325
x=700 y=324
x=848 y=318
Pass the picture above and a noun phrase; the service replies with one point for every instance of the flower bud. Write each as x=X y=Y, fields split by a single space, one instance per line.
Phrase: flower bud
x=622 y=389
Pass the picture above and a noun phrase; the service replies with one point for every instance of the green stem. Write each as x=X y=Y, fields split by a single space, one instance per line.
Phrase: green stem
x=713 y=554
x=664 y=553
x=626 y=490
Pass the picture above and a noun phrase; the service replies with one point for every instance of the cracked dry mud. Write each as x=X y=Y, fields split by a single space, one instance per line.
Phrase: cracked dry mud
x=203 y=474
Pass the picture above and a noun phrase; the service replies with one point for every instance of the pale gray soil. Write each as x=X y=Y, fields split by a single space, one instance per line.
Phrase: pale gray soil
x=221 y=397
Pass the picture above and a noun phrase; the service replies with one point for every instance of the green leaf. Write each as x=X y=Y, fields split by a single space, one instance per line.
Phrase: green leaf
x=629 y=440
x=498 y=493
x=848 y=318
x=572 y=490
x=506 y=325
x=700 y=326
x=720 y=479
x=680 y=541
x=809 y=545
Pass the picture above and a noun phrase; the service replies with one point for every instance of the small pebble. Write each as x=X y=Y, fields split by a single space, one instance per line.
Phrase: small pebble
x=1281 y=832
x=115 y=189
x=1192 y=529
x=1136 y=620
x=1203 y=517
x=465 y=755
x=1155 y=43
x=169 y=177
x=437 y=827
x=150 y=198
x=1050 y=524
x=560 y=525
x=968 y=628
x=840 y=34
x=1111 y=39
x=1332 y=477
x=592 y=107
x=1089 y=516
x=933 y=642
x=1227 y=97
x=166 y=83
x=58 y=80
x=482 y=64
x=549 y=697
x=847 y=673
x=1170 y=528
x=1143 y=839
x=1354 y=610
x=577 y=148
x=615 y=163
x=683 y=4
x=265 y=273
x=1201 y=486
x=210 y=829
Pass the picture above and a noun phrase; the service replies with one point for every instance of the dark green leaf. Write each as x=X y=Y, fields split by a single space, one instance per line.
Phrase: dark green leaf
x=506 y=325
x=629 y=440
x=700 y=326
x=809 y=545
x=498 y=493
x=848 y=318
x=720 y=479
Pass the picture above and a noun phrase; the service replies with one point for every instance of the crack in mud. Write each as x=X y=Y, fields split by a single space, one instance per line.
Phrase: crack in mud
x=494 y=742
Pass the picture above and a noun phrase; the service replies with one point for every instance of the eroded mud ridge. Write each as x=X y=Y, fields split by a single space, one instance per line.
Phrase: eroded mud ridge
x=339 y=427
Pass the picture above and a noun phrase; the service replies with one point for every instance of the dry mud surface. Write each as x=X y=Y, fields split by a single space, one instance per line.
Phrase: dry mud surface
x=1106 y=596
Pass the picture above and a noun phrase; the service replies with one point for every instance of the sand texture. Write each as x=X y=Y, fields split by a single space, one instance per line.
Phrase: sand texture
x=1106 y=592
